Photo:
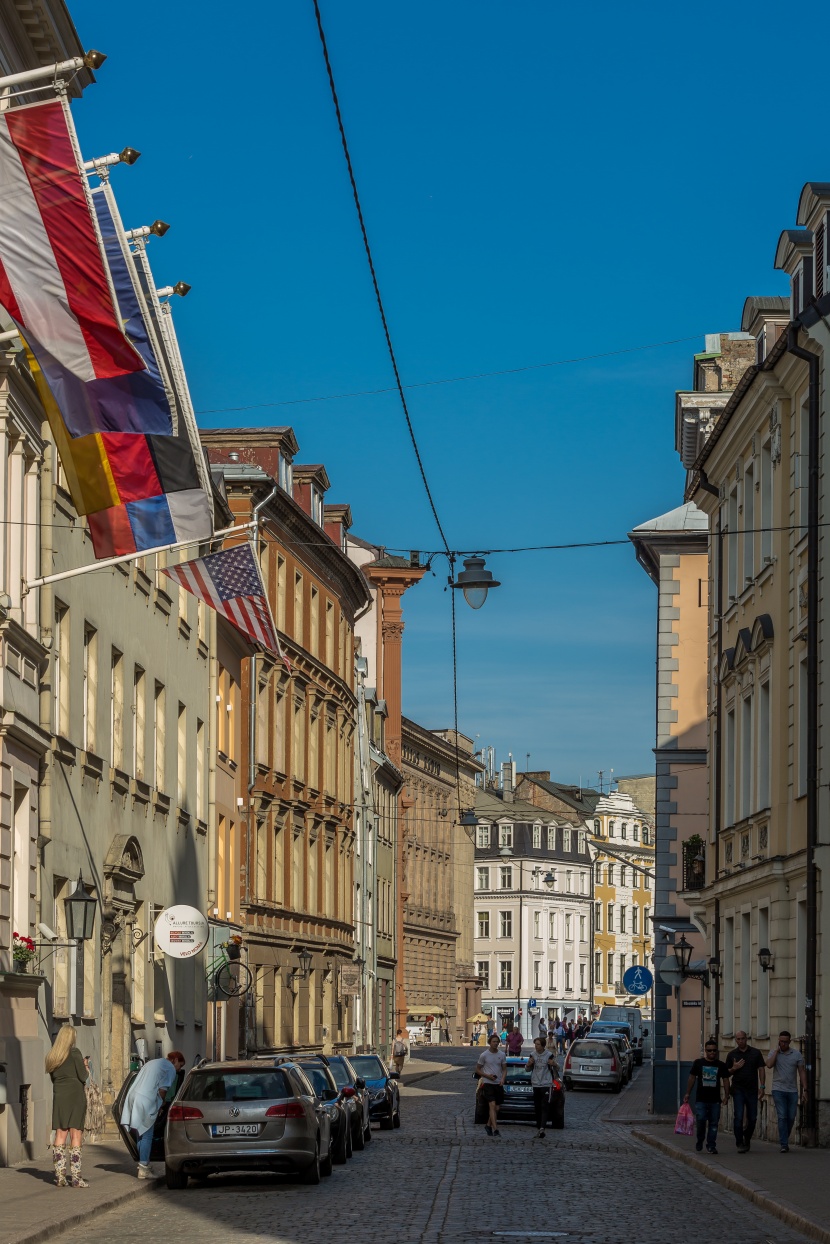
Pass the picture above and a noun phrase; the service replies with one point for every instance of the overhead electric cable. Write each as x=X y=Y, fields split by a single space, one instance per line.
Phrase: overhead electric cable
x=426 y=384
x=375 y=285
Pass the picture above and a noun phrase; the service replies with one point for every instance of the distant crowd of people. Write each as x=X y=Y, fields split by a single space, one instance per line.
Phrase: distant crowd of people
x=557 y=1036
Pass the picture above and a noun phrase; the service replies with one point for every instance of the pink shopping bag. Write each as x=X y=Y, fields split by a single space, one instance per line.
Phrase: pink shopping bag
x=685 y=1122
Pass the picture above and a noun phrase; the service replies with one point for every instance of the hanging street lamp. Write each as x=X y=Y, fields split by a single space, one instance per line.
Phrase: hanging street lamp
x=475 y=582
x=683 y=955
x=80 y=913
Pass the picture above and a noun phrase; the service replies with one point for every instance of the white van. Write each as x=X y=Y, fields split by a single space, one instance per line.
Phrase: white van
x=633 y=1016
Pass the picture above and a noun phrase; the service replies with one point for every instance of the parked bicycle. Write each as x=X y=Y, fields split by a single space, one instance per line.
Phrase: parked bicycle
x=227 y=974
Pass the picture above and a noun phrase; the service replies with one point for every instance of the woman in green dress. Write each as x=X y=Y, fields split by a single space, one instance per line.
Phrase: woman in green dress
x=65 y=1065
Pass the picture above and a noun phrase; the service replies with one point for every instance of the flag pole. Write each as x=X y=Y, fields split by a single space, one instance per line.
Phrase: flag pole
x=130 y=557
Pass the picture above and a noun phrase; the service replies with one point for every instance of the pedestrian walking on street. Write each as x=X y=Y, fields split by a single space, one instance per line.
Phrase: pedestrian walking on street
x=789 y=1085
x=144 y=1100
x=708 y=1074
x=747 y=1084
x=399 y=1051
x=504 y=1035
x=561 y=1035
x=515 y=1042
x=542 y=1067
x=491 y=1069
x=543 y=1030
x=65 y=1065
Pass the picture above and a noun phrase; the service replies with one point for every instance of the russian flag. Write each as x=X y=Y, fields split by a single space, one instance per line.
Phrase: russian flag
x=130 y=464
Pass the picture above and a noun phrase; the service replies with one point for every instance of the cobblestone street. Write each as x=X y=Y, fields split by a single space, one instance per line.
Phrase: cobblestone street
x=440 y=1180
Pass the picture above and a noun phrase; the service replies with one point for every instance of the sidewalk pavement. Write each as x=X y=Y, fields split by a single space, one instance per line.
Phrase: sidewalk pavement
x=791 y=1186
x=415 y=1069
x=34 y=1209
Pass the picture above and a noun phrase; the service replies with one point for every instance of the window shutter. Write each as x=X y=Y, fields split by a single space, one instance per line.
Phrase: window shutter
x=796 y=294
x=819 y=261
x=807 y=279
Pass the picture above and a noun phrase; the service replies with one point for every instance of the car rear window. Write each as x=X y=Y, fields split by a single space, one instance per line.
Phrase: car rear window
x=590 y=1049
x=318 y=1078
x=517 y=1075
x=368 y=1066
x=218 y=1085
x=341 y=1075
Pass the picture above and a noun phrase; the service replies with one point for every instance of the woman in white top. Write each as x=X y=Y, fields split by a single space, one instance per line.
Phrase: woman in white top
x=542 y=1067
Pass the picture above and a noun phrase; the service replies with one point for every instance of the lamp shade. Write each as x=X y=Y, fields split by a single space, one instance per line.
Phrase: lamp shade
x=475 y=582
x=683 y=954
x=304 y=956
x=80 y=913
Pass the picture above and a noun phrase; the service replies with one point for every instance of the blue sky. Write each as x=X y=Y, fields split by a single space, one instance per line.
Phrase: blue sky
x=539 y=182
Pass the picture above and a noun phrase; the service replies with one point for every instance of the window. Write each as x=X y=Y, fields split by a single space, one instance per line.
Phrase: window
x=329 y=637
x=505 y=835
x=280 y=593
x=622 y=918
x=582 y=978
x=483 y=837
x=598 y=967
x=597 y=829
x=635 y=879
x=537 y=974
x=598 y=917
x=766 y=504
x=763 y=748
x=581 y=841
x=298 y=607
x=746 y=755
x=555 y=875
x=610 y=874
x=647 y=881
x=200 y=770
x=623 y=965
x=730 y=544
x=537 y=924
x=609 y=924
x=646 y=914
x=568 y=927
x=635 y=919
x=624 y=830
x=506 y=878
x=569 y=881
x=802 y=728
x=636 y=833
x=610 y=965
x=598 y=873
x=623 y=876
x=139 y=709
x=566 y=840
x=484 y=924
x=582 y=928
x=537 y=837
x=483 y=879
x=484 y=972
x=181 y=756
x=583 y=883
x=314 y=620
x=90 y=687
x=505 y=924
x=748 y=523
x=552 y=926
x=117 y=710
x=505 y=974
x=61 y=669
x=729 y=784
x=802 y=467
x=551 y=977
x=551 y=837
x=645 y=835
x=569 y=967
x=159 y=734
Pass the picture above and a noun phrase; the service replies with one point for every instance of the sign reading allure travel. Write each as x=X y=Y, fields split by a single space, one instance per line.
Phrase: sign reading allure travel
x=181 y=931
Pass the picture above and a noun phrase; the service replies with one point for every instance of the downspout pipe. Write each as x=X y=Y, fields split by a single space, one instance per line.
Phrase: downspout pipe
x=810 y=1131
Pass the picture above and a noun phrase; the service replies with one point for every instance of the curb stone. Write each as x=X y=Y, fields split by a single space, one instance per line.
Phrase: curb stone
x=776 y=1206
x=49 y=1230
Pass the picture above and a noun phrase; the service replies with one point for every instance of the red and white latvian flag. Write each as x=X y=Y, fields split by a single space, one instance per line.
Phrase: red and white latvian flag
x=230 y=582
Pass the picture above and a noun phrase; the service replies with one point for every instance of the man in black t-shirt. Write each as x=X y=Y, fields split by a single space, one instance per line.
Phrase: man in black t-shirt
x=748 y=1071
x=706 y=1077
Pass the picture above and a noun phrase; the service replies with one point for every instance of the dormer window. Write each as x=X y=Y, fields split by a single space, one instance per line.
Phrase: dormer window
x=286 y=482
x=316 y=505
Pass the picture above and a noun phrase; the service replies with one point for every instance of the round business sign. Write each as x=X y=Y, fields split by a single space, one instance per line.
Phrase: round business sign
x=637 y=980
x=181 y=932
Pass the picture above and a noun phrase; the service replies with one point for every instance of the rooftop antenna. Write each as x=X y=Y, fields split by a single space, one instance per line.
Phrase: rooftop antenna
x=527 y=762
x=600 y=775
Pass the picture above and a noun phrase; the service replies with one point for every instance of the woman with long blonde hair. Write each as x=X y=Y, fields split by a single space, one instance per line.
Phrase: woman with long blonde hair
x=65 y=1065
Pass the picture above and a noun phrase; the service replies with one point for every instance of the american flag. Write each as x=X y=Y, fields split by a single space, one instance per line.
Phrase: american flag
x=229 y=581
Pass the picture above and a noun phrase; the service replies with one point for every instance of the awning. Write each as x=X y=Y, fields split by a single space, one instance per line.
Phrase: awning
x=426 y=1010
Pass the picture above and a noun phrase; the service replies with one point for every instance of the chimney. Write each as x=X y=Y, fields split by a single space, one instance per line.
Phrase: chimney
x=508 y=780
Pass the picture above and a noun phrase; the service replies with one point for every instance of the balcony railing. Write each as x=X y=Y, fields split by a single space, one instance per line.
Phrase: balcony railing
x=694 y=866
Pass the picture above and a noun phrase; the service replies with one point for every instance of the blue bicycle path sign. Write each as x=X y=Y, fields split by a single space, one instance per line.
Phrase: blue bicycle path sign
x=637 y=980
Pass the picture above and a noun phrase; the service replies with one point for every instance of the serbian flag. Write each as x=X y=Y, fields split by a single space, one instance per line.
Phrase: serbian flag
x=229 y=581
x=111 y=410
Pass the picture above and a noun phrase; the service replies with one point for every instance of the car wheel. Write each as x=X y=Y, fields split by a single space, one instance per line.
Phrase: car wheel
x=175 y=1179
x=358 y=1139
x=349 y=1146
x=326 y=1165
x=569 y=1084
x=311 y=1174
x=368 y=1133
x=616 y=1088
x=396 y=1122
x=387 y=1124
x=341 y=1149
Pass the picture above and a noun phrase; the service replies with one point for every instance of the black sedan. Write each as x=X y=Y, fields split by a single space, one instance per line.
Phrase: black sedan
x=518 y=1098
x=353 y=1090
x=335 y=1106
x=382 y=1085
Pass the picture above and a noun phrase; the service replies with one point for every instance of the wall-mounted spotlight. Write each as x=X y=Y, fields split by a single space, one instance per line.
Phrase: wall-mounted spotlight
x=128 y=156
x=94 y=59
x=181 y=288
x=157 y=229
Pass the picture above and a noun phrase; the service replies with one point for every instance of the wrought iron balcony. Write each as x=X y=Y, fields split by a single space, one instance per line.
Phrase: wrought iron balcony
x=694 y=864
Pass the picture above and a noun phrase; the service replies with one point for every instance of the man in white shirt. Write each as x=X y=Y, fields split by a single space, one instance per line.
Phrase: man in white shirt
x=491 y=1069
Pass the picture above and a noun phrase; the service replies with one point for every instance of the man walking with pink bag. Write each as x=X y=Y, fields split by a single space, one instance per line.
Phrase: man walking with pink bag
x=707 y=1076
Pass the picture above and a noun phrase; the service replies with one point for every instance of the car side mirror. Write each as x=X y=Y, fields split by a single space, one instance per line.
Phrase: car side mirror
x=329 y=1094
x=394 y=1075
x=360 y=1083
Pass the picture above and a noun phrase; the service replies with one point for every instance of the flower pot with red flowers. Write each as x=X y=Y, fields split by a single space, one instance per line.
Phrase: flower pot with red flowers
x=23 y=951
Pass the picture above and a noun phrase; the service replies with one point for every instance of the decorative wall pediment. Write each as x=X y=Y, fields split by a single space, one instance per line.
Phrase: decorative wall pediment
x=124 y=861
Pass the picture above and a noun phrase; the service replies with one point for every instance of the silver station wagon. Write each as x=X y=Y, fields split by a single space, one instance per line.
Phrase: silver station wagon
x=246 y=1116
x=595 y=1063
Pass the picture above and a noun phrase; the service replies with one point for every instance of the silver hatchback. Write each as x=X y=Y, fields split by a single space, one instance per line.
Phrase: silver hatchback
x=592 y=1061
x=246 y=1116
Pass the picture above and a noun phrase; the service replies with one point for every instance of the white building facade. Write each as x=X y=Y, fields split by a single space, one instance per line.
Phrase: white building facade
x=533 y=913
